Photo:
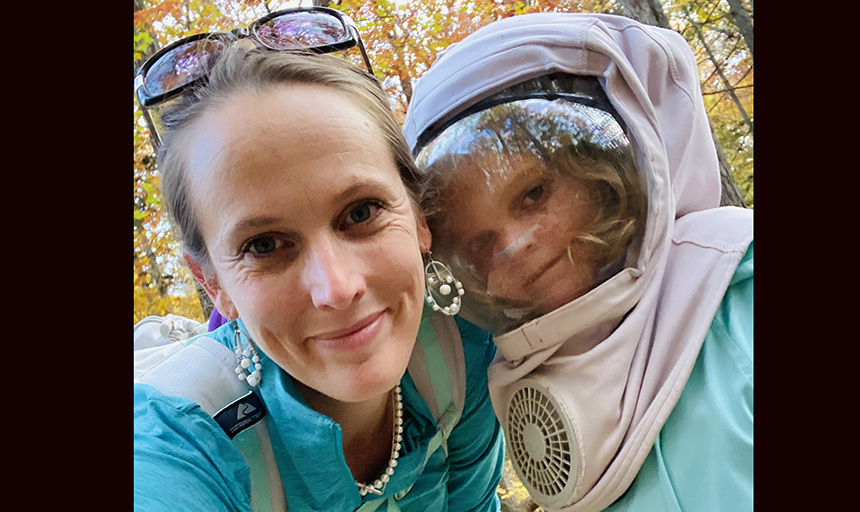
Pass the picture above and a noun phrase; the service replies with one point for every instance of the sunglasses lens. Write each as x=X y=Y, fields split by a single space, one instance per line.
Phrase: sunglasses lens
x=182 y=65
x=300 y=30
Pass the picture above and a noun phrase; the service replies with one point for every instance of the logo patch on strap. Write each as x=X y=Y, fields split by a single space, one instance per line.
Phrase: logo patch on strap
x=241 y=414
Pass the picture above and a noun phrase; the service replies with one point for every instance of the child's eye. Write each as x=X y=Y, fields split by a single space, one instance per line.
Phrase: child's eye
x=533 y=195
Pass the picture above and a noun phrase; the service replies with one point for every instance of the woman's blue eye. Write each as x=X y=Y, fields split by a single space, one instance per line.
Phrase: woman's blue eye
x=263 y=245
x=362 y=213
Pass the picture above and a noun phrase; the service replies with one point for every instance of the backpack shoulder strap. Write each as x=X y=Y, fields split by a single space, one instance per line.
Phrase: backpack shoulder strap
x=198 y=368
x=438 y=369
x=174 y=357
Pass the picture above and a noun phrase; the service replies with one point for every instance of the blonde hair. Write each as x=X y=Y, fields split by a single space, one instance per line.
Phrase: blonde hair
x=243 y=70
x=618 y=200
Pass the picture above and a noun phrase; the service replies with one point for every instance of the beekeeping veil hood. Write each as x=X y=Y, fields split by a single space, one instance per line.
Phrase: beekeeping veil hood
x=583 y=389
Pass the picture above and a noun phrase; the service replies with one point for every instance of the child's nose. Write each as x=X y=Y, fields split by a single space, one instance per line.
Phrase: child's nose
x=514 y=239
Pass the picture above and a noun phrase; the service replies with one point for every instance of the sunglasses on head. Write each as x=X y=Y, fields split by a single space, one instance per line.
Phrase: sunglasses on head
x=182 y=64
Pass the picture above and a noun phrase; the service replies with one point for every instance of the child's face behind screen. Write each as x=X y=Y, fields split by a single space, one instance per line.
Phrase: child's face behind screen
x=515 y=224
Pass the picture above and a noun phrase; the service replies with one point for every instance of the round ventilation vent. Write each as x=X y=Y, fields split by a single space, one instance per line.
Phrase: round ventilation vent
x=541 y=443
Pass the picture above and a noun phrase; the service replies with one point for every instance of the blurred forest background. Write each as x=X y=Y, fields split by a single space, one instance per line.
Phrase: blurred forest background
x=402 y=37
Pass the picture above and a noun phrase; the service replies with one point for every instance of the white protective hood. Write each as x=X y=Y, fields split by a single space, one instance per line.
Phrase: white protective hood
x=617 y=358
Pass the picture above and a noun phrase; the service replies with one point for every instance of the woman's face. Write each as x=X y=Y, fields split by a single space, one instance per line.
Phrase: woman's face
x=515 y=225
x=314 y=241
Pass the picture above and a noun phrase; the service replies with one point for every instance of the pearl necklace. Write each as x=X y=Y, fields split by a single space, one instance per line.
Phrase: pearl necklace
x=378 y=486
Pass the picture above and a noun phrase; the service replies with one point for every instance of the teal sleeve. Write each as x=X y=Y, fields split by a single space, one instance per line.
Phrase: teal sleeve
x=183 y=461
x=702 y=460
x=476 y=445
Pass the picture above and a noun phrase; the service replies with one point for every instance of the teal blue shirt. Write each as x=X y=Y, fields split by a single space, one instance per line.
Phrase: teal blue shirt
x=184 y=462
x=702 y=460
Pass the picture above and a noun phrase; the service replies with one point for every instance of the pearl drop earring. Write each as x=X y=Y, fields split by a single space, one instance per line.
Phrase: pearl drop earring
x=441 y=284
x=246 y=357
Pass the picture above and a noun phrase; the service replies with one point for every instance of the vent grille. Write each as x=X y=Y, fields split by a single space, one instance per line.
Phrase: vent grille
x=540 y=443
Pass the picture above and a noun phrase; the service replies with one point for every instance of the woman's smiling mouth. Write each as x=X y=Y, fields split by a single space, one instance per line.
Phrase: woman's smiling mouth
x=355 y=336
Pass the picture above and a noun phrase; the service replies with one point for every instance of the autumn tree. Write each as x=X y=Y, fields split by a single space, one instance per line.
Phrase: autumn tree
x=402 y=39
x=721 y=38
x=701 y=22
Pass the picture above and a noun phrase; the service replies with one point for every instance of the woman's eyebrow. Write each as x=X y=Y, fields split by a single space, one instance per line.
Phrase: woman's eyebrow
x=364 y=185
x=253 y=223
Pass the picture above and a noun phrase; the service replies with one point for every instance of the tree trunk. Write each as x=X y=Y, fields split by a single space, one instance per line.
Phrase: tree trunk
x=399 y=60
x=743 y=21
x=731 y=194
x=718 y=68
x=646 y=11
x=205 y=301
x=651 y=13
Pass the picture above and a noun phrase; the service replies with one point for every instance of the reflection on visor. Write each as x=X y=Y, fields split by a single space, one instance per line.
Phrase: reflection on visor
x=531 y=125
x=532 y=203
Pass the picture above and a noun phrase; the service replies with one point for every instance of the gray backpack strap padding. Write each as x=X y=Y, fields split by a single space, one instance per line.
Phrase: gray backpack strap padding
x=174 y=358
x=180 y=369
x=267 y=489
x=438 y=369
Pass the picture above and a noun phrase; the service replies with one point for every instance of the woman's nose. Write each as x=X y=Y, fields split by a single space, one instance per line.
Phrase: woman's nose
x=332 y=275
